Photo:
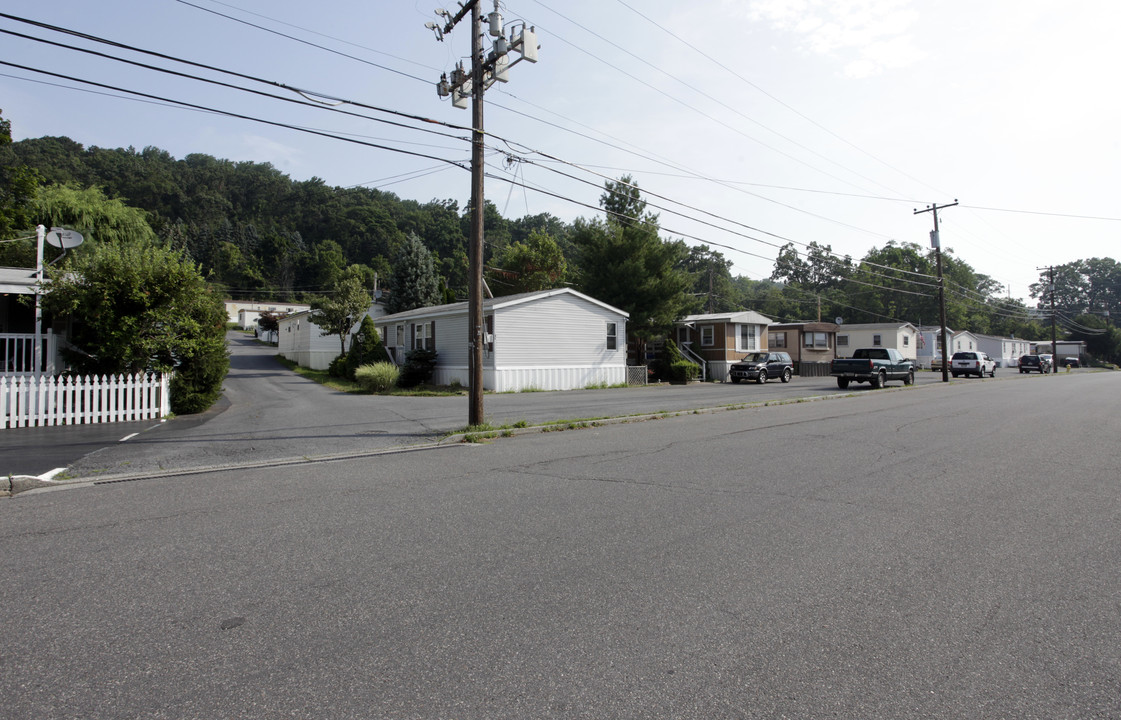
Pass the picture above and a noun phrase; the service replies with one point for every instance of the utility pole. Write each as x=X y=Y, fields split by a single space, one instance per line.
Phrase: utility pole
x=37 y=351
x=485 y=71
x=1054 y=333
x=936 y=243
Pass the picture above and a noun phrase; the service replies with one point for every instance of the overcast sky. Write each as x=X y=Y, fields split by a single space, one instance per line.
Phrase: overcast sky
x=752 y=122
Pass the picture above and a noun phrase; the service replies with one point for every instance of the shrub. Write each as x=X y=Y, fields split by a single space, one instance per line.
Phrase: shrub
x=377 y=377
x=665 y=367
x=418 y=369
x=366 y=349
x=684 y=371
x=337 y=368
x=197 y=382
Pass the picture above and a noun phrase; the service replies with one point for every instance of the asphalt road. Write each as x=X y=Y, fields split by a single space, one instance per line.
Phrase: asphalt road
x=269 y=413
x=945 y=552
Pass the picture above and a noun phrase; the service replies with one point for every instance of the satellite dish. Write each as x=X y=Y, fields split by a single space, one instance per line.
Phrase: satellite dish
x=839 y=320
x=63 y=238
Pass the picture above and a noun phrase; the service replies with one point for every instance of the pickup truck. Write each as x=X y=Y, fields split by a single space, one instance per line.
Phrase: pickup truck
x=873 y=365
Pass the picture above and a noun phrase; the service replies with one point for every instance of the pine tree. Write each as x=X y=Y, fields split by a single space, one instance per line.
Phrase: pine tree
x=415 y=283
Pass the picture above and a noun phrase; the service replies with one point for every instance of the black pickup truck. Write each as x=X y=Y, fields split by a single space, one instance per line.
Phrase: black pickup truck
x=873 y=365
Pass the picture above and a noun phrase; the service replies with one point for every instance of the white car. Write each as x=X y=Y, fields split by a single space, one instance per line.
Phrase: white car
x=971 y=362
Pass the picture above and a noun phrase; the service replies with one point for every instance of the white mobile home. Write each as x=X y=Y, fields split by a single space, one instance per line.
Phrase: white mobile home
x=303 y=342
x=547 y=340
x=901 y=336
x=964 y=340
x=1005 y=351
x=929 y=348
x=234 y=309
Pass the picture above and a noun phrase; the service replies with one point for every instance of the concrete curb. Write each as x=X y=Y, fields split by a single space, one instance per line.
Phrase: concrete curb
x=14 y=484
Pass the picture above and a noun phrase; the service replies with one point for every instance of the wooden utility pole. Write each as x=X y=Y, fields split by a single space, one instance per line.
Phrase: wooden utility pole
x=936 y=243
x=475 y=250
x=485 y=70
x=1054 y=343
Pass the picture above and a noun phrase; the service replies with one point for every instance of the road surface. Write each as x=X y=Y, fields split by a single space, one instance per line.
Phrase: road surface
x=934 y=553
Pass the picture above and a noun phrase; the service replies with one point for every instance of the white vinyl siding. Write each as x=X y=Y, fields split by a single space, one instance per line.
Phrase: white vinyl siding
x=554 y=341
x=876 y=335
x=575 y=333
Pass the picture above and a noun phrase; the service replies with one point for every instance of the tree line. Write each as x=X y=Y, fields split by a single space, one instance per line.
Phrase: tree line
x=256 y=233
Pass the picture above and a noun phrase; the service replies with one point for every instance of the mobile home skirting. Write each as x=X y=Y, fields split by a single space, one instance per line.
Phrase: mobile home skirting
x=516 y=379
x=314 y=359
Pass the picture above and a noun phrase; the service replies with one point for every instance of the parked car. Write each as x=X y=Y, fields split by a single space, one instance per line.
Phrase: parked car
x=1049 y=359
x=1071 y=362
x=972 y=362
x=1034 y=363
x=875 y=366
x=761 y=366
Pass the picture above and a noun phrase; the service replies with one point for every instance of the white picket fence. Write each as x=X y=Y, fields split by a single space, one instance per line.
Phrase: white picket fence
x=29 y=401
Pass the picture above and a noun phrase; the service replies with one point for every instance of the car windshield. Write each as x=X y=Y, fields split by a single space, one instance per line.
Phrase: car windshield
x=755 y=357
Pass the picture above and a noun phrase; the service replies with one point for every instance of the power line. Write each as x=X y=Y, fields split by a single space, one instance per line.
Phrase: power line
x=314 y=32
x=719 y=102
x=306 y=103
x=772 y=97
x=1040 y=212
x=305 y=42
x=228 y=113
x=695 y=109
x=300 y=91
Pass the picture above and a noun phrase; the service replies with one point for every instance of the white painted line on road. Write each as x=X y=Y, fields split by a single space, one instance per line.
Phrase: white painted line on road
x=51 y=474
x=128 y=437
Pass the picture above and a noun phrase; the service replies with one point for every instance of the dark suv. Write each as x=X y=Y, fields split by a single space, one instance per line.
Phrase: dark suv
x=1033 y=363
x=761 y=366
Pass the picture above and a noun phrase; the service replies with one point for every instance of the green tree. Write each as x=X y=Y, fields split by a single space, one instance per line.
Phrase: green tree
x=415 y=283
x=1102 y=340
x=18 y=184
x=626 y=264
x=623 y=203
x=139 y=305
x=536 y=264
x=337 y=314
x=91 y=213
x=712 y=279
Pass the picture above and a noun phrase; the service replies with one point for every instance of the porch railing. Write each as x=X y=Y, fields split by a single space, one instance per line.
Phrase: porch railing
x=688 y=352
x=17 y=353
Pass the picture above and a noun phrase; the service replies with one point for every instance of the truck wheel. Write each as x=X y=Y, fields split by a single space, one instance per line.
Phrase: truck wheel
x=910 y=379
x=992 y=373
x=843 y=383
x=878 y=380
x=762 y=378
x=735 y=381
x=787 y=374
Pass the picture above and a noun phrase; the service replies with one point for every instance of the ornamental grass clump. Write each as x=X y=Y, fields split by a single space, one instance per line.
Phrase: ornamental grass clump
x=377 y=377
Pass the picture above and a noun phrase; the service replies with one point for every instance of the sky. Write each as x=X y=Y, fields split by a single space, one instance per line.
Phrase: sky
x=746 y=123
